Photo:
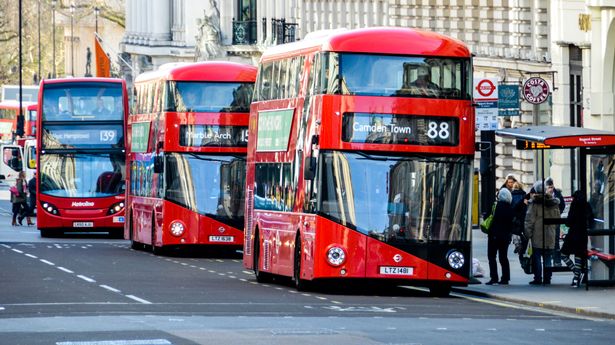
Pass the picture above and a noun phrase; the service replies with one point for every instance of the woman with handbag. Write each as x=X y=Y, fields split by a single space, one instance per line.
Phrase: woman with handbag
x=499 y=237
x=19 y=197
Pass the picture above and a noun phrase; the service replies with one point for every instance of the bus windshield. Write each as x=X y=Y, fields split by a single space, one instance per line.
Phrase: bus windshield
x=211 y=185
x=403 y=76
x=210 y=97
x=397 y=199
x=82 y=175
x=83 y=102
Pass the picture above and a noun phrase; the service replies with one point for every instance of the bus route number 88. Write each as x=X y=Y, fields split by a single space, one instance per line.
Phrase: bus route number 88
x=436 y=131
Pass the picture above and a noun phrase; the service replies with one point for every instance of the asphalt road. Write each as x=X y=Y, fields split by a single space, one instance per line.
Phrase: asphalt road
x=97 y=291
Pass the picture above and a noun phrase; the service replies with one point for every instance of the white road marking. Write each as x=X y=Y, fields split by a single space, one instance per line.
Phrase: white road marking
x=140 y=300
x=321 y=298
x=5 y=246
x=1 y=308
x=58 y=246
x=17 y=251
x=87 y=279
x=247 y=272
x=110 y=288
x=539 y=329
x=31 y=256
x=233 y=277
x=47 y=262
x=65 y=269
x=118 y=342
x=219 y=260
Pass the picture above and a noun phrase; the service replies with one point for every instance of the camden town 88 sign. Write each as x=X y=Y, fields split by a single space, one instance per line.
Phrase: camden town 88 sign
x=535 y=90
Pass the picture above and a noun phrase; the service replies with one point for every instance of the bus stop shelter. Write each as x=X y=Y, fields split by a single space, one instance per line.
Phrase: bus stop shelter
x=594 y=174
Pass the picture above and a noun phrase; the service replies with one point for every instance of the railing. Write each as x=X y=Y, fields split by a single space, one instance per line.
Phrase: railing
x=244 y=32
x=283 y=32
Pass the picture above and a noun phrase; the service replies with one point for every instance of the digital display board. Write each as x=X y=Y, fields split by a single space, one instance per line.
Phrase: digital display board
x=213 y=135
x=400 y=129
x=83 y=136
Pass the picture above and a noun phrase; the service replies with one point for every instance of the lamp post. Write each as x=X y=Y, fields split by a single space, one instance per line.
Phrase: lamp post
x=96 y=13
x=39 y=39
x=53 y=6
x=72 y=40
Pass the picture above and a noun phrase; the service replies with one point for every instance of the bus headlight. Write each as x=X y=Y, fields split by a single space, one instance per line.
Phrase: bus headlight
x=177 y=228
x=115 y=208
x=455 y=259
x=336 y=256
x=51 y=208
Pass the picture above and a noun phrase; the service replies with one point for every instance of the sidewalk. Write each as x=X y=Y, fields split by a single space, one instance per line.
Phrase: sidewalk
x=598 y=301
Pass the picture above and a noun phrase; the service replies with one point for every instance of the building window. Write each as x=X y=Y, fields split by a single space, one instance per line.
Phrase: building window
x=244 y=24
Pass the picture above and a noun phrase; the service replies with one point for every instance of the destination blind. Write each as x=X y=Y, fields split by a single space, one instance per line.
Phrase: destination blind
x=400 y=129
x=83 y=136
x=213 y=135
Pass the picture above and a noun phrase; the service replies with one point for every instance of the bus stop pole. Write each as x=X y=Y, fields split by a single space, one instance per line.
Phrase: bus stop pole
x=544 y=200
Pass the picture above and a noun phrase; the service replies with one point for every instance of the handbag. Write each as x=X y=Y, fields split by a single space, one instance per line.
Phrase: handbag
x=14 y=191
x=485 y=225
x=526 y=260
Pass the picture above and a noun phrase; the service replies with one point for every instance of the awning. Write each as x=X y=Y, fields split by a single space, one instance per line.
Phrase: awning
x=557 y=136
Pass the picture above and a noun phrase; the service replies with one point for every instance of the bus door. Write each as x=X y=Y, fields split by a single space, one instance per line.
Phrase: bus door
x=29 y=152
x=12 y=162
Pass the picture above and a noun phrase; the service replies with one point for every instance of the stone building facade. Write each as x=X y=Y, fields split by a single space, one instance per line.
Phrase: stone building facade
x=512 y=40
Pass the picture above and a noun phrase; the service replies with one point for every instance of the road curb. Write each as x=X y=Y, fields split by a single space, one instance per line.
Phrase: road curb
x=578 y=311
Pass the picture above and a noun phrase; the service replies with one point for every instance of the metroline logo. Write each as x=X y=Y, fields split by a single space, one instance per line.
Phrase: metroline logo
x=82 y=204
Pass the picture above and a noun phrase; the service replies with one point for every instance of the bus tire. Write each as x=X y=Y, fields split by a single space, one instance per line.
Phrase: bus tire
x=155 y=250
x=440 y=290
x=261 y=277
x=300 y=284
x=46 y=233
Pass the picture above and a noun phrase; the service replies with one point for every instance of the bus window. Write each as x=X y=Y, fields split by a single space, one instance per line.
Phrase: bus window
x=12 y=158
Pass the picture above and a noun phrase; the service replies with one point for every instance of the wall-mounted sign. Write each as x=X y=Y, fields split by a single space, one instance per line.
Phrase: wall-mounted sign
x=508 y=101
x=536 y=90
x=486 y=99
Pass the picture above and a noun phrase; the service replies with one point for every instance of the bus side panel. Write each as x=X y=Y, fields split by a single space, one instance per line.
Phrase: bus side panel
x=308 y=243
x=142 y=211
x=329 y=234
x=277 y=233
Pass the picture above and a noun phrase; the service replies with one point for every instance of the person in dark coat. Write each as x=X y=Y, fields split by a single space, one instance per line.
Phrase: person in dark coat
x=20 y=207
x=519 y=204
x=32 y=191
x=542 y=206
x=499 y=238
x=580 y=218
x=556 y=193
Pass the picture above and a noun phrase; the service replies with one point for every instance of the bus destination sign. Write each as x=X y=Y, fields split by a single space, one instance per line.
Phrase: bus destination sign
x=400 y=129
x=82 y=136
x=213 y=135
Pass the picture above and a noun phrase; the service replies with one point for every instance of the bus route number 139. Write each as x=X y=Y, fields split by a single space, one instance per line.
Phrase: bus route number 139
x=106 y=136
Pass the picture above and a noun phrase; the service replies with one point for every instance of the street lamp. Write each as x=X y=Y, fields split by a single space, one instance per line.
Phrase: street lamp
x=96 y=13
x=72 y=40
x=53 y=6
x=39 y=39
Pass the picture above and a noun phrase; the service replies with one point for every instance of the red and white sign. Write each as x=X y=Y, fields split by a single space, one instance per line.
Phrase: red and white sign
x=535 y=90
x=485 y=89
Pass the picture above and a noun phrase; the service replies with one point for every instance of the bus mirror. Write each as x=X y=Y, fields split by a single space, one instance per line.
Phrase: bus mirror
x=2 y=177
x=309 y=169
x=158 y=164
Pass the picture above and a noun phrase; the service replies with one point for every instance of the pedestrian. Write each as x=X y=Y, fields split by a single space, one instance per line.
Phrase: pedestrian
x=499 y=238
x=580 y=219
x=519 y=204
x=32 y=199
x=509 y=182
x=18 y=199
x=557 y=193
x=542 y=236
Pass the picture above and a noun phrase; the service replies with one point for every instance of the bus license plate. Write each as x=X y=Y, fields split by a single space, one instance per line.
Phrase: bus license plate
x=221 y=238
x=404 y=271
x=83 y=224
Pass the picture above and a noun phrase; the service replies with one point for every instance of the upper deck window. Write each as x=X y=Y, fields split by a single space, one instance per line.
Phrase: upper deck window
x=83 y=102
x=210 y=97
x=404 y=76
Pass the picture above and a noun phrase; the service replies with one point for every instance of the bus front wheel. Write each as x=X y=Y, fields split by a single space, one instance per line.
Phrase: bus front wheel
x=440 y=290
x=300 y=284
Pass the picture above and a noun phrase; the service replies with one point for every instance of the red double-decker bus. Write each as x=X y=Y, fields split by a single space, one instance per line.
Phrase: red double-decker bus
x=9 y=110
x=360 y=158
x=186 y=162
x=81 y=160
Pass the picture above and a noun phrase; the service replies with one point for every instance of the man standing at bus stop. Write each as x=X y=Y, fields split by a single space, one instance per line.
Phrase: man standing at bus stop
x=557 y=194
